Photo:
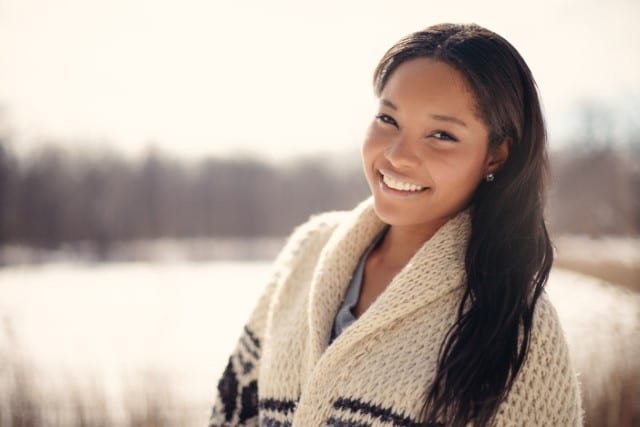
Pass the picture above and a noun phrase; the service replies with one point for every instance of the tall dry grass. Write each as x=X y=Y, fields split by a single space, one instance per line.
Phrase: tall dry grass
x=613 y=259
x=601 y=322
x=30 y=397
x=600 y=312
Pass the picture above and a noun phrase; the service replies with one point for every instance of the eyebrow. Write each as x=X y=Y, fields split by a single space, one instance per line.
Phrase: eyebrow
x=439 y=117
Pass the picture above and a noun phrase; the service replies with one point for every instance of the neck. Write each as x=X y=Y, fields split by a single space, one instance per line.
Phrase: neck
x=402 y=242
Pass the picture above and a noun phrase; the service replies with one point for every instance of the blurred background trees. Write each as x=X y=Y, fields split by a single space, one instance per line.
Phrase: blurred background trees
x=53 y=197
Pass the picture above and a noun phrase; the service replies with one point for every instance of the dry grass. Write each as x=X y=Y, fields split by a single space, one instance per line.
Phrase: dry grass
x=24 y=403
x=29 y=398
x=601 y=322
x=611 y=389
x=619 y=273
x=614 y=259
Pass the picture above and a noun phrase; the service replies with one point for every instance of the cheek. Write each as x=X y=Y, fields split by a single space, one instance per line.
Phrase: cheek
x=462 y=169
x=367 y=162
x=372 y=150
x=372 y=145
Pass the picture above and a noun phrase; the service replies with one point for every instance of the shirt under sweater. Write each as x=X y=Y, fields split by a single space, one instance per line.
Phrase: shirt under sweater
x=345 y=316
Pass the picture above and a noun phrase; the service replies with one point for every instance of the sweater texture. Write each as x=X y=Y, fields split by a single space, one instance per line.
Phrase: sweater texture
x=376 y=373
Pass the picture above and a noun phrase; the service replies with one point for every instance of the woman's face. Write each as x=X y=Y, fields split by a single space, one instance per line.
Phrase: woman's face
x=426 y=150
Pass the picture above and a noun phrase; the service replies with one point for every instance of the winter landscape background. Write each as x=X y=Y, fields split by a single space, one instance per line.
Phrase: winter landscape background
x=154 y=155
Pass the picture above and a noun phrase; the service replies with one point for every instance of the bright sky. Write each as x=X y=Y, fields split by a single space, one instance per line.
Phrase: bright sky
x=276 y=78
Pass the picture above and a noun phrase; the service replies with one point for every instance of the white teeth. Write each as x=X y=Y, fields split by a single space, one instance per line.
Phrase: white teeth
x=399 y=185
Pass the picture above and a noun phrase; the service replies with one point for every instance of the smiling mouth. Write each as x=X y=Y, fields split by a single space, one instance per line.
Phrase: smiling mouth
x=400 y=186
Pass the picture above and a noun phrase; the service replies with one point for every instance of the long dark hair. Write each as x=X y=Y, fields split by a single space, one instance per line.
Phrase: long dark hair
x=509 y=253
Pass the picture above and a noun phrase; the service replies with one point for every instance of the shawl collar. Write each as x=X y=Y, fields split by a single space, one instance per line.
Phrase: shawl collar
x=435 y=269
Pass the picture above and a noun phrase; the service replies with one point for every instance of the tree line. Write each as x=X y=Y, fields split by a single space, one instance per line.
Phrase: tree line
x=53 y=196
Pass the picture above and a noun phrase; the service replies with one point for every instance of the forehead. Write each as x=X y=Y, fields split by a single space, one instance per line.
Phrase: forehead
x=430 y=84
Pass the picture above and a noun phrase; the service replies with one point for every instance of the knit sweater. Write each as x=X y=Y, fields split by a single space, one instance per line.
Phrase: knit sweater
x=284 y=373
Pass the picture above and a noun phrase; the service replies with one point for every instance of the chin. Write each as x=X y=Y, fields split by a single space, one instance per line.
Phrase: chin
x=389 y=213
x=403 y=214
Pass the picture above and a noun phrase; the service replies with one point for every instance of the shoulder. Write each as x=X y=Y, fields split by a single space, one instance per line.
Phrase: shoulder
x=546 y=331
x=301 y=241
x=548 y=348
x=546 y=390
x=317 y=225
x=310 y=236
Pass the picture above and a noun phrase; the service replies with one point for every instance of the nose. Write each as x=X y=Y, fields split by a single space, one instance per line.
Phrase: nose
x=400 y=152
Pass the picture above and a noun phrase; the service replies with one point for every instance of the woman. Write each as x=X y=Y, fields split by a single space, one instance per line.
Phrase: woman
x=425 y=304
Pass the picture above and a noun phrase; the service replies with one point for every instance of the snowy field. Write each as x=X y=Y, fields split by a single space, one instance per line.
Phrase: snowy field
x=138 y=335
x=112 y=329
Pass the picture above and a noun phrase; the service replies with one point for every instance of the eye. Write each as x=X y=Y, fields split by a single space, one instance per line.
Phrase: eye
x=444 y=136
x=385 y=118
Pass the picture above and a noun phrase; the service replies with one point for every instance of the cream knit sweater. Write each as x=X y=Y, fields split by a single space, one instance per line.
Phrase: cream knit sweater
x=375 y=374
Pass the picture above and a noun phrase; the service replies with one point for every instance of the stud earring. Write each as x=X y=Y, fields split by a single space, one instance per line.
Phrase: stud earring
x=489 y=178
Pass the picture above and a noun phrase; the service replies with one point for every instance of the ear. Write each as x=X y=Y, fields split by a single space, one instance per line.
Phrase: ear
x=497 y=156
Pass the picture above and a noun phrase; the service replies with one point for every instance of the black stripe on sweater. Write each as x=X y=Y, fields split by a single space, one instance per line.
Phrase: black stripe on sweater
x=253 y=337
x=339 y=422
x=228 y=391
x=248 y=348
x=276 y=405
x=247 y=365
x=272 y=422
x=376 y=411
